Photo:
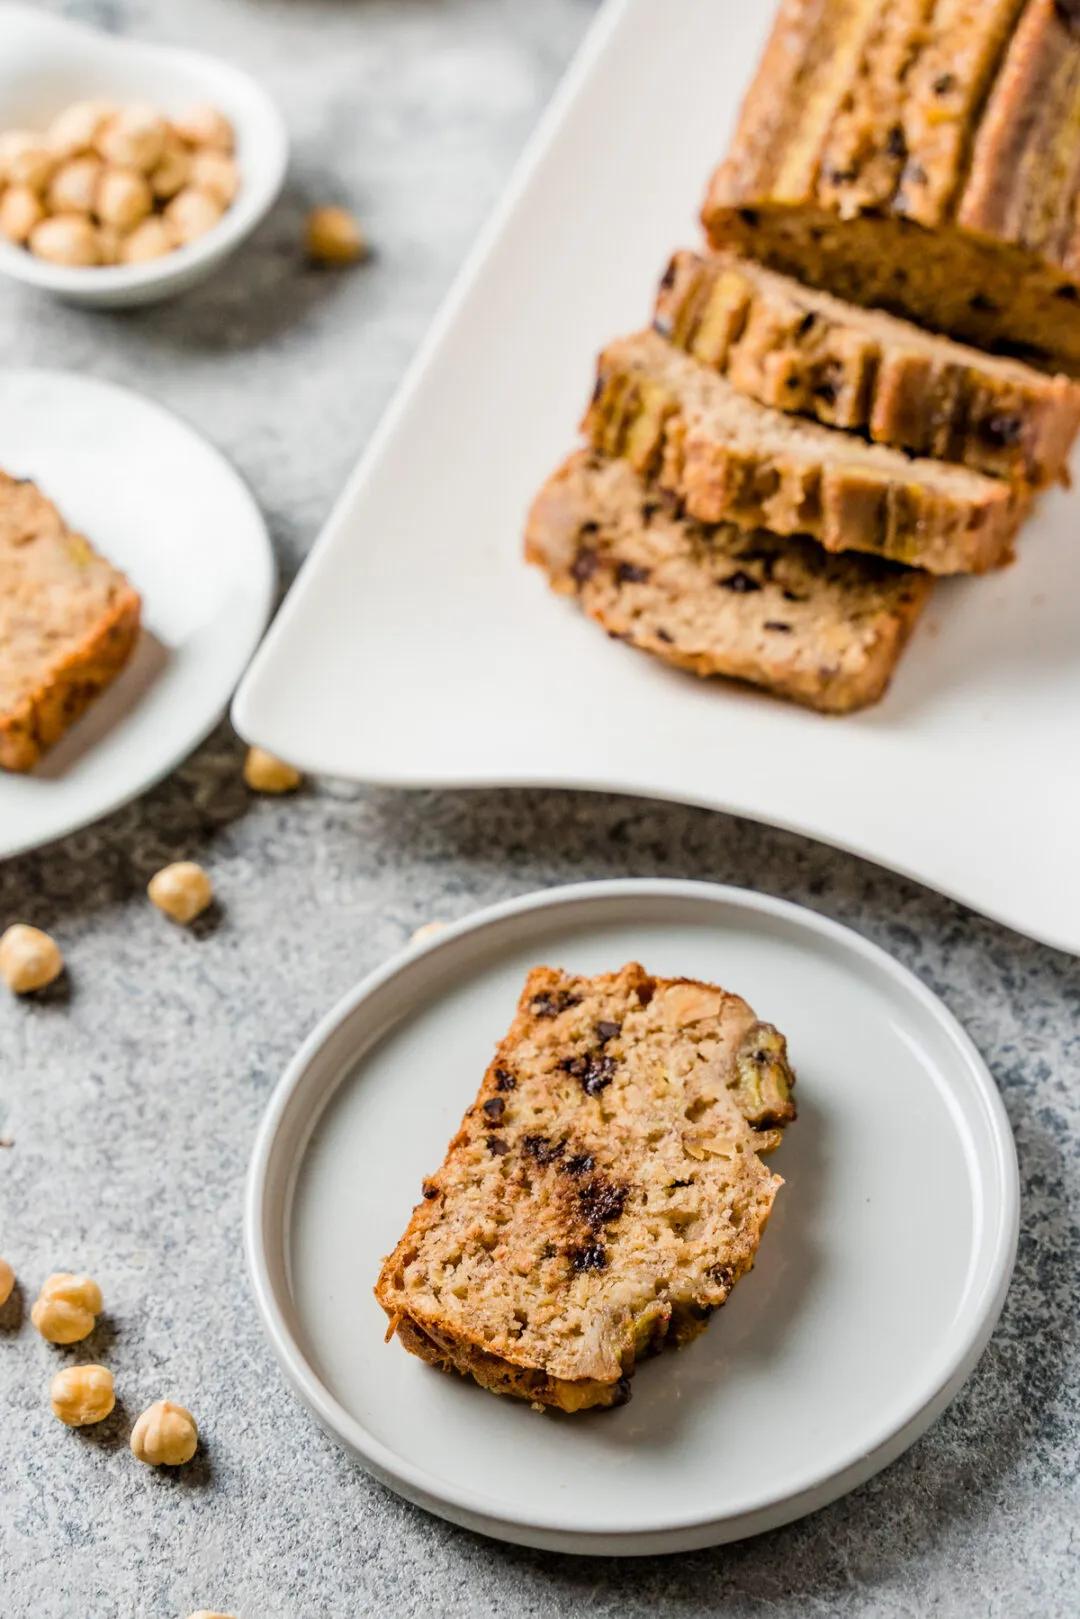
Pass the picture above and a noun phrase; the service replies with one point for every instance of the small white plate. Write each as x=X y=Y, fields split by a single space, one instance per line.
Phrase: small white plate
x=47 y=62
x=166 y=507
x=967 y=777
x=879 y=1281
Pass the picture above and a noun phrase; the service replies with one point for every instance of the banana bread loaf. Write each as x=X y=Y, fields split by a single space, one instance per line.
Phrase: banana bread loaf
x=824 y=630
x=728 y=458
x=604 y=1192
x=921 y=155
x=68 y=623
x=861 y=369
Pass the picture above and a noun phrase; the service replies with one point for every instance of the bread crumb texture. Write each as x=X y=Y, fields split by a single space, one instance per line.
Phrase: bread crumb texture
x=605 y=1190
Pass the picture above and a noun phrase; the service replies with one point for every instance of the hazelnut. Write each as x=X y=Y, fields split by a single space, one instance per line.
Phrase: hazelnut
x=150 y=240
x=166 y=1435
x=20 y=211
x=65 y=1310
x=192 y=212
x=25 y=159
x=216 y=173
x=68 y=239
x=82 y=1394
x=123 y=198
x=7 y=1282
x=182 y=890
x=690 y=1003
x=333 y=236
x=174 y=170
x=77 y=128
x=29 y=958
x=74 y=185
x=110 y=244
x=134 y=138
x=205 y=126
x=266 y=774
x=428 y=930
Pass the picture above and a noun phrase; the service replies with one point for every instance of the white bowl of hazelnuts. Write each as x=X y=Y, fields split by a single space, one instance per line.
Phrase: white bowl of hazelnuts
x=127 y=171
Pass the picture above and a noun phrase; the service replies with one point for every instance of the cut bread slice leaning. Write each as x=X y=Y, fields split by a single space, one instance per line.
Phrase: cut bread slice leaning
x=806 y=352
x=777 y=611
x=728 y=458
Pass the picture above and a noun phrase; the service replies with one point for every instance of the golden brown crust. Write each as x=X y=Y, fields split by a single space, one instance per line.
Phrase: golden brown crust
x=604 y=1192
x=960 y=121
x=71 y=622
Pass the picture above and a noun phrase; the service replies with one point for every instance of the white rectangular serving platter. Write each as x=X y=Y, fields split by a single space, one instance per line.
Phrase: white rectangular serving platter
x=417 y=650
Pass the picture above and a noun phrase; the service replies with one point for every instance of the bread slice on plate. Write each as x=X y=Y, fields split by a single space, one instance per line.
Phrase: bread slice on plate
x=729 y=458
x=779 y=612
x=604 y=1193
x=68 y=624
x=921 y=158
x=803 y=351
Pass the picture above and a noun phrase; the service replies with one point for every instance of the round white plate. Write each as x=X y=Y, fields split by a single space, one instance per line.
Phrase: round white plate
x=167 y=508
x=878 y=1283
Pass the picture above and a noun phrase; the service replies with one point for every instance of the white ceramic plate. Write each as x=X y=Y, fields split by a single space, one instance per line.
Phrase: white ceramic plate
x=48 y=62
x=164 y=506
x=416 y=649
x=877 y=1286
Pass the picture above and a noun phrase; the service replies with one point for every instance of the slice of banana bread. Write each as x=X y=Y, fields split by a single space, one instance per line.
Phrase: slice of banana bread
x=728 y=458
x=604 y=1192
x=68 y=623
x=804 y=351
x=925 y=158
x=781 y=613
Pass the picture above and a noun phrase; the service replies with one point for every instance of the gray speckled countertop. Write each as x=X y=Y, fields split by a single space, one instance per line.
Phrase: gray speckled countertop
x=131 y=1094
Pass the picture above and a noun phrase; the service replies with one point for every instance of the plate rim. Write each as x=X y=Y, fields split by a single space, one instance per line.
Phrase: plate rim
x=548 y=1530
x=262 y=588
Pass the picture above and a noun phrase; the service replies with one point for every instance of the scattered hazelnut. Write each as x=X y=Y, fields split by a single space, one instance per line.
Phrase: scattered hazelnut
x=150 y=240
x=68 y=239
x=29 y=958
x=82 y=1394
x=333 y=236
x=216 y=173
x=123 y=198
x=74 y=185
x=64 y=1311
x=166 y=1435
x=134 y=138
x=20 y=210
x=205 y=126
x=25 y=159
x=174 y=170
x=427 y=931
x=7 y=1282
x=192 y=212
x=182 y=890
x=266 y=774
x=77 y=128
